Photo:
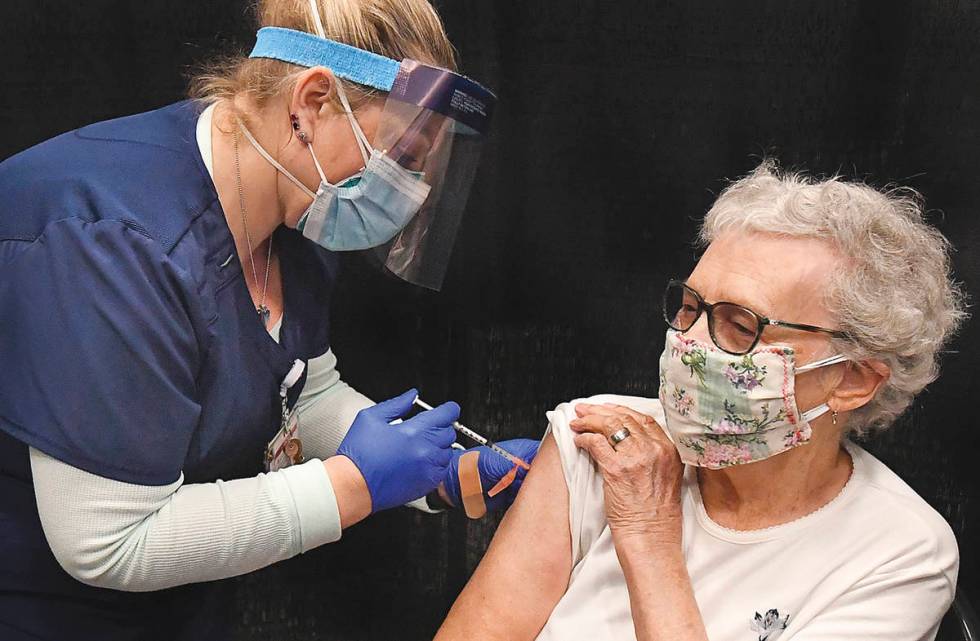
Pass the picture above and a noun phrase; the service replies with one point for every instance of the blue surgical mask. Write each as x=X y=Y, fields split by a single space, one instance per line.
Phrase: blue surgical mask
x=365 y=210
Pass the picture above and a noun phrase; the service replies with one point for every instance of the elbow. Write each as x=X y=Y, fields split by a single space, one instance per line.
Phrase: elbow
x=88 y=569
x=95 y=528
x=95 y=577
x=100 y=564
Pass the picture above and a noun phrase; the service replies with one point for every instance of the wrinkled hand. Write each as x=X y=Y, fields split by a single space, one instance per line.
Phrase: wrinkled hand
x=641 y=476
x=492 y=468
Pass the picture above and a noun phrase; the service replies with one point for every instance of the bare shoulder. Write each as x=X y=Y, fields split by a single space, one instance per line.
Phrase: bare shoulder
x=526 y=569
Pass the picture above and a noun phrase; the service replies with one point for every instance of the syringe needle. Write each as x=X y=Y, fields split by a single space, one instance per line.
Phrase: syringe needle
x=482 y=440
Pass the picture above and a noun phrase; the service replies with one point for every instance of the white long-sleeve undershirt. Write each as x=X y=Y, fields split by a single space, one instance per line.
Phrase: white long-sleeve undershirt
x=139 y=538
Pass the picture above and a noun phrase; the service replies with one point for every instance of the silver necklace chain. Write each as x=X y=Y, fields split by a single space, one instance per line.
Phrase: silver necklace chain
x=262 y=310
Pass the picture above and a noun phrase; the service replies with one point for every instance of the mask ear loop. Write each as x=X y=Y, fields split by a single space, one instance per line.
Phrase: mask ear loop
x=275 y=163
x=363 y=144
x=816 y=412
x=319 y=169
x=832 y=360
x=823 y=408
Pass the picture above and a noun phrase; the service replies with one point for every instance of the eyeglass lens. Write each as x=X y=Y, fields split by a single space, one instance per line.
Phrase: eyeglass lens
x=733 y=327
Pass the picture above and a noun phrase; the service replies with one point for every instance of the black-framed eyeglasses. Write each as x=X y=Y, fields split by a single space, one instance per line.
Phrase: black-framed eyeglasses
x=733 y=328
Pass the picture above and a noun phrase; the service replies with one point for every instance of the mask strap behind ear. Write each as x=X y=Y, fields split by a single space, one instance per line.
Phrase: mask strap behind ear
x=363 y=145
x=275 y=163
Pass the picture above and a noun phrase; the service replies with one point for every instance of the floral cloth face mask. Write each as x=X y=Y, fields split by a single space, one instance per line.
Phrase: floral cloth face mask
x=723 y=409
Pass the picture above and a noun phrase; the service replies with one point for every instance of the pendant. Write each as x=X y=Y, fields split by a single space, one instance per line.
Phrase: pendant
x=264 y=314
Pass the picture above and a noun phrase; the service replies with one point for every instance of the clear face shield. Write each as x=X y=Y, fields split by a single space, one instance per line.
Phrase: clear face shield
x=433 y=122
x=431 y=130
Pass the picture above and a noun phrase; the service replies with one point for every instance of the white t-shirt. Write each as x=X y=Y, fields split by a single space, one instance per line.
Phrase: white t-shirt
x=877 y=562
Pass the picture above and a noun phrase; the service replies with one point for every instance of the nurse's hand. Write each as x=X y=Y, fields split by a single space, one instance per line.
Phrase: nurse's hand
x=401 y=462
x=492 y=468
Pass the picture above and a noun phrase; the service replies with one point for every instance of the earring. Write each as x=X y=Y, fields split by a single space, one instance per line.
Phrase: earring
x=833 y=416
x=294 y=121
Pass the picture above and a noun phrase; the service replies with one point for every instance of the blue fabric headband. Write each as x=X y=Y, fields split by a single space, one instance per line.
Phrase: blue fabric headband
x=347 y=62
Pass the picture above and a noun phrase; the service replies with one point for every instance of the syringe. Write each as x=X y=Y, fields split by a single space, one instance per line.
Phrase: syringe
x=462 y=429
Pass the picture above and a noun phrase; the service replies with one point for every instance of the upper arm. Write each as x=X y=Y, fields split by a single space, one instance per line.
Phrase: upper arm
x=527 y=567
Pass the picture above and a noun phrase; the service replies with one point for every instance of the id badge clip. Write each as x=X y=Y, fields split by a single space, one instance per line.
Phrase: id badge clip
x=286 y=448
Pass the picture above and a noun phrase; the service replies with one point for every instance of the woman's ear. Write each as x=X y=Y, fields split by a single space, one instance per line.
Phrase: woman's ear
x=312 y=97
x=859 y=385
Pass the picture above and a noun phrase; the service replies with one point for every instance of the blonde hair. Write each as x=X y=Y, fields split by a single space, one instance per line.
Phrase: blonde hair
x=396 y=29
x=893 y=295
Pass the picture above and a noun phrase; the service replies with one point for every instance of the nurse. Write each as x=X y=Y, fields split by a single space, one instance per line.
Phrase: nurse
x=171 y=413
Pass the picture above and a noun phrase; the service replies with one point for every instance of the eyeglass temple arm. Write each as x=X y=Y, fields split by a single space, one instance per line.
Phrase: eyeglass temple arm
x=805 y=328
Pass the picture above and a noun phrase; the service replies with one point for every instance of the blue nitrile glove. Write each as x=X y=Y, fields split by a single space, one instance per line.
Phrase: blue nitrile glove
x=402 y=462
x=492 y=468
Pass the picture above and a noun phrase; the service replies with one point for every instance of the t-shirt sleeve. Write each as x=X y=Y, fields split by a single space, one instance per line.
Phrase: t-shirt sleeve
x=586 y=504
x=99 y=352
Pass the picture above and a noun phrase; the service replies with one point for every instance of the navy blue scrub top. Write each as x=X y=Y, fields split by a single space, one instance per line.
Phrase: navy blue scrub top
x=130 y=348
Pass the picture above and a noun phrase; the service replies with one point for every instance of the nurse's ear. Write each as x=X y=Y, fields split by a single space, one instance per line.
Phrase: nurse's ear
x=312 y=101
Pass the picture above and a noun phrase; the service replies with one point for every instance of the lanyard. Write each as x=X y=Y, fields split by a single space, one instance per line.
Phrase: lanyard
x=286 y=443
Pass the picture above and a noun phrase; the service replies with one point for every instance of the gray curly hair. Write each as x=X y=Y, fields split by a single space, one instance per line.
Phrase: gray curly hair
x=894 y=296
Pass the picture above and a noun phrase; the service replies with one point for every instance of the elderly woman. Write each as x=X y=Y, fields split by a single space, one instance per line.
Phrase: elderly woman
x=735 y=507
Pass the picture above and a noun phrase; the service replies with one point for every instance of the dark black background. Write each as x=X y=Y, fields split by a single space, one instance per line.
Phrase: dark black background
x=618 y=124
